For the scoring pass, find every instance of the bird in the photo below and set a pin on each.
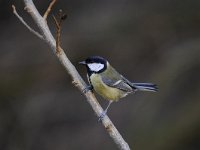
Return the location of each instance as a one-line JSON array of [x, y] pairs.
[[110, 84]]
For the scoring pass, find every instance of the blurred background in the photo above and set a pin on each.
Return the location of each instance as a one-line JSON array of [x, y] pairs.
[[147, 41]]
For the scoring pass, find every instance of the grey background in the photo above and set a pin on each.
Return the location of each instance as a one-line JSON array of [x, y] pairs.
[[147, 41]]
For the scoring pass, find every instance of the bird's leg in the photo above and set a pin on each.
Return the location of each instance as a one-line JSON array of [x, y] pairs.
[[105, 111], [88, 88]]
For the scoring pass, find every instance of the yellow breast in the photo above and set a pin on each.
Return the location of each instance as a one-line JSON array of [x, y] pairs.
[[105, 91]]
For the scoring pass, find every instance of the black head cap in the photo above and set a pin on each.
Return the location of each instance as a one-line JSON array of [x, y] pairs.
[[96, 59]]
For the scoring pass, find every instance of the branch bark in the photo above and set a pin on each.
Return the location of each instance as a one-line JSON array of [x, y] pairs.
[[69, 67]]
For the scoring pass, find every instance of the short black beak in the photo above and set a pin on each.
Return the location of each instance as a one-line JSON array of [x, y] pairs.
[[82, 63]]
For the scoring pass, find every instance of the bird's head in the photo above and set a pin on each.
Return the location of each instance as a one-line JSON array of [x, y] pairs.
[[95, 64]]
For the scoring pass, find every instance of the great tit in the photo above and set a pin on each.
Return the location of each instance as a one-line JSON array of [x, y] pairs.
[[108, 83]]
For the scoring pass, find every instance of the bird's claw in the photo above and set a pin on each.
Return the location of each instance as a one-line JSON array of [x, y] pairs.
[[102, 115], [87, 88]]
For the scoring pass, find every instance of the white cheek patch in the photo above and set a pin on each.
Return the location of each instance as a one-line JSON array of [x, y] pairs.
[[96, 66]]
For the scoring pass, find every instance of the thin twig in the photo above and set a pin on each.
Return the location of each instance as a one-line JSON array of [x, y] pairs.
[[49, 9], [76, 78], [22, 21], [58, 22], [58, 30]]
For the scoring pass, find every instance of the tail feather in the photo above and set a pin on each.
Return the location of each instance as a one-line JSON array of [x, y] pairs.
[[145, 87]]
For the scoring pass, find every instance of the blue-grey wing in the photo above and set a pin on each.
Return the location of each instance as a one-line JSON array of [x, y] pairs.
[[117, 83]]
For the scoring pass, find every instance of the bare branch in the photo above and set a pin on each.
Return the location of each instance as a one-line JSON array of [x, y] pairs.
[[76, 78], [58, 30], [22, 20], [49, 9], [57, 35], [58, 22]]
